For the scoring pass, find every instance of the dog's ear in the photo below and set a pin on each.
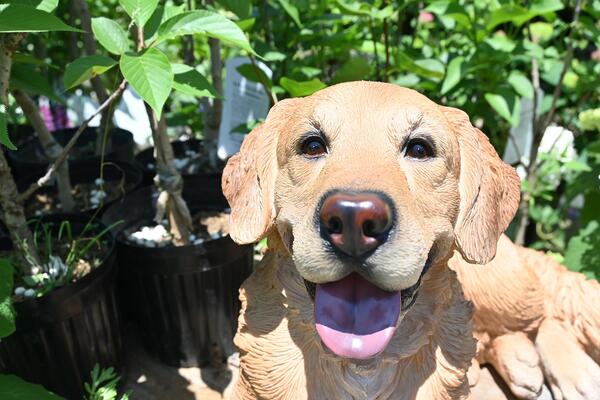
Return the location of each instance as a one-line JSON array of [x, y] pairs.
[[249, 178], [489, 191]]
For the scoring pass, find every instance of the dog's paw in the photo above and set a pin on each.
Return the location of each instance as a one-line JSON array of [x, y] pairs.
[[570, 371], [515, 358]]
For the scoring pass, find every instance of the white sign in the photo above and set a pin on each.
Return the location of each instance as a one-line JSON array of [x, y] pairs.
[[245, 101]]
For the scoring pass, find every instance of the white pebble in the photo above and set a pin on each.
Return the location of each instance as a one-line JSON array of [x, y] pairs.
[[29, 293], [199, 241], [35, 270], [99, 181], [192, 238], [38, 213], [215, 235], [19, 290]]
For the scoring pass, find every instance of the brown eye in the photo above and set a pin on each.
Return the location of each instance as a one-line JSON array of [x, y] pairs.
[[313, 147], [418, 149]]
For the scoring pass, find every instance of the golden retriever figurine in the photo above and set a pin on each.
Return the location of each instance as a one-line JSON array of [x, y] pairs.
[[375, 202]]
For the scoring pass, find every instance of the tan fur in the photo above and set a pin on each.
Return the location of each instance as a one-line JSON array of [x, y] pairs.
[[451, 208]]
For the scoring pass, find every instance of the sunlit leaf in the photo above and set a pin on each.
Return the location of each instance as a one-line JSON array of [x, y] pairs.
[[21, 18], [301, 89], [85, 68], [110, 35], [139, 10], [150, 75], [207, 23]]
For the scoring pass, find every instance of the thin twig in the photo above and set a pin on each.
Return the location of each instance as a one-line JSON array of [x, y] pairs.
[[265, 85], [44, 180]]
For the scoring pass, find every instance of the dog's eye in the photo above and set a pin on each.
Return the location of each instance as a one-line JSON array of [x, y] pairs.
[[418, 149], [313, 147]]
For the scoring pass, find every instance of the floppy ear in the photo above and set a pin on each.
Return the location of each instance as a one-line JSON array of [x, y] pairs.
[[249, 178], [489, 191]]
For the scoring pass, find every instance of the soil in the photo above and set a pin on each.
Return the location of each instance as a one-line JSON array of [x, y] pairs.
[[47, 202], [208, 225]]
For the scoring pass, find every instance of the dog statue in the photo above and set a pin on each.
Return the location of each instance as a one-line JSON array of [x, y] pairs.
[[376, 203]]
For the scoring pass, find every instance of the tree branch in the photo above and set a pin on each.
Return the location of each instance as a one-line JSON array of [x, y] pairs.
[[67, 149]]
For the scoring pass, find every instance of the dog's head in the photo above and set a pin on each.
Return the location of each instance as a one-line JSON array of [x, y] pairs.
[[367, 184]]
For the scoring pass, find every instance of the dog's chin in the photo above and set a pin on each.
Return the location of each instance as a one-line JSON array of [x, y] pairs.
[[356, 319]]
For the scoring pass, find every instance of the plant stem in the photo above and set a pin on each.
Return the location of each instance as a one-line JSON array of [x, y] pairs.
[[168, 179], [374, 39], [89, 44], [53, 168], [539, 126], [12, 210], [213, 118], [13, 216], [51, 147], [265, 85], [170, 182]]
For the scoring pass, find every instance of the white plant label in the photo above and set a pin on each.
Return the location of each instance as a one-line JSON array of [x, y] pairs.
[[245, 101]]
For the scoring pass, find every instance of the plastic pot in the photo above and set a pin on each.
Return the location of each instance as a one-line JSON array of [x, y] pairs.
[[87, 172], [29, 158], [146, 159], [184, 300], [61, 336]]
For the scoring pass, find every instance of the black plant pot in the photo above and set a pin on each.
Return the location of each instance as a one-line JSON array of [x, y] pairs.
[[127, 174], [61, 336], [29, 158], [184, 300], [146, 159]]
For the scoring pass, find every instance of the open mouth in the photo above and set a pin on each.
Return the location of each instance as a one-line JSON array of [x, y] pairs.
[[355, 318]]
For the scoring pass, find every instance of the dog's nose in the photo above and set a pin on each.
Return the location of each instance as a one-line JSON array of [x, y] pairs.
[[355, 223]]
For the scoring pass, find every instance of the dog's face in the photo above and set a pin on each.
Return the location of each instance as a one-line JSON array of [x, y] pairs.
[[367, 184]]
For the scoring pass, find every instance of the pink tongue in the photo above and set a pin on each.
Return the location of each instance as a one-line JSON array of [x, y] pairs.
[[355, 318]]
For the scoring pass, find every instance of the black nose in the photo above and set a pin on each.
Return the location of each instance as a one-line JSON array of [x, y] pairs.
[[355, 223]]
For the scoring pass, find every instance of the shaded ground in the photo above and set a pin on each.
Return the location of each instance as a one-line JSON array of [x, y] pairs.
[[149, 379]]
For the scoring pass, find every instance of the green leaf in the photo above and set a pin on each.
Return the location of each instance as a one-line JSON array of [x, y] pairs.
[[355, 69], [499, 104], [241, 8], [541, 30], [254, 74], [85, 68], [110, 35], [521, 84], [15, 388], [7, 313], [507, 13], [20, 18], [292, 11], [501, 42], [207, 23], [151, 76], [427, 68], [44, 5], [4, 137], [160, 15], [139, 10], [28, 79], [189, 81], [301, 89], [453, 74], [354, 8], [582, 251]]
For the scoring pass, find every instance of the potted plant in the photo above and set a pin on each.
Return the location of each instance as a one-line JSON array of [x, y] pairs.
[[94, 186], [66, 312], [64, 268], [180, 270]]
